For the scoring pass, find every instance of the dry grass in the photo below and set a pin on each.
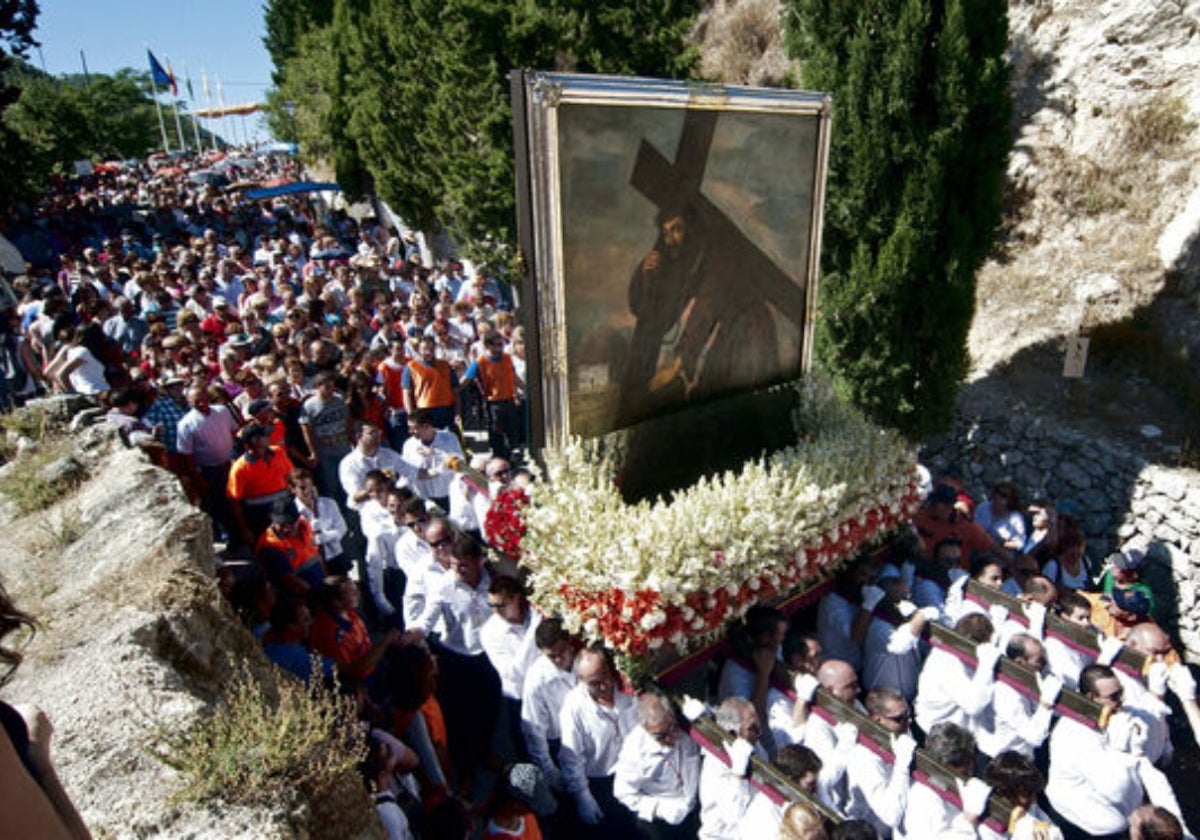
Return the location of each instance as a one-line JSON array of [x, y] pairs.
[[1158, 125], [272, 745], [26, 484], [741, 42]]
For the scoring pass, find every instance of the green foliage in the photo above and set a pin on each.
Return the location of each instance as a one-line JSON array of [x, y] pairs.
[[921, 136], [61, 120], [17, 21], [267, 745], [414, 93], [287, 22]]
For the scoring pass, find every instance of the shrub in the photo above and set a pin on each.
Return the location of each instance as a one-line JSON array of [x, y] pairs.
[[46, 475], [1158, 124], [267, 745]]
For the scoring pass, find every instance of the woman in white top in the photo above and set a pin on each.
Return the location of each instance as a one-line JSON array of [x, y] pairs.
[[1001, 516], [76, 370]]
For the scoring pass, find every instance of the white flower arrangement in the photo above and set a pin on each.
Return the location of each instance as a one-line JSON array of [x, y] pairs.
[[643, 575]]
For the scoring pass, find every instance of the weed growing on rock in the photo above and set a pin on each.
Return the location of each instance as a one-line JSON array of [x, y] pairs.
[[269, 746], [43, 477], [1159, 124]]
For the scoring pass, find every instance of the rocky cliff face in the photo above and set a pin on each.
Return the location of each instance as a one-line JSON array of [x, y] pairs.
[[134, 636], [1104, 189]]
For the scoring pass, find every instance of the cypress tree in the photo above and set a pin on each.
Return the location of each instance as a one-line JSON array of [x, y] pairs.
[[921, 136]]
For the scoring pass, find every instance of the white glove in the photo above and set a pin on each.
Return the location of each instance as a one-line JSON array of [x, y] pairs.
[[871, 596], [903, 750], [987, 655], [1181, 681], [1049, 687], [739, 753], [1156, 678], [906, 609], [692, 708], [1126, 734], [1036, 613], [998, 613], [974, 794], [589, 811], [846, 735], [645, 809], [806, 686], [1109, 648], [930, 613]]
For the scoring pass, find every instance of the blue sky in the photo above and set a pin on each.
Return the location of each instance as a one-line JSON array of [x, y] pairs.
[[222, 36]]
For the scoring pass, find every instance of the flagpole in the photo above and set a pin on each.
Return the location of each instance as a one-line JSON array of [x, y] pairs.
[[162, 126], [224, 116], [208, 102], [175, 106], [191, 108]]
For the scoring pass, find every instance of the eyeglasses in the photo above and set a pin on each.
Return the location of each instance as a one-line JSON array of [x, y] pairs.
[[501, 473], [497, 605], [1116, 696], [442, 543], [903, 717]]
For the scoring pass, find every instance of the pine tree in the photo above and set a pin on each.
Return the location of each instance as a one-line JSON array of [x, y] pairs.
[[921, 136], [418, 91]]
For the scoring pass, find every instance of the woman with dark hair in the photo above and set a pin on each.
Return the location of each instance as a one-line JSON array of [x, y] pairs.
[[364, 401], [32, 799], [1001, 516]]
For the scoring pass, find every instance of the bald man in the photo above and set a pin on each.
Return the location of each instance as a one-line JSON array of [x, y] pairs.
[[1146, 700], [793, 723]]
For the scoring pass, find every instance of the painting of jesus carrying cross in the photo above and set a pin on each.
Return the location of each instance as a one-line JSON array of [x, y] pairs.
[[688, 225]]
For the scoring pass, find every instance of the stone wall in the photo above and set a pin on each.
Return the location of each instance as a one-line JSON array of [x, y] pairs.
[[1121, 499]]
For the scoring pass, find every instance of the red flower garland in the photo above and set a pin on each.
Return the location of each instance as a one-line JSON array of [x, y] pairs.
[[504, 525]]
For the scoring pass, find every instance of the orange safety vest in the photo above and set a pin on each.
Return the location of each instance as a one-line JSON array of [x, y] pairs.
[[393, 388], [498, 378], [251, 481], [431, 383], [298, 549]]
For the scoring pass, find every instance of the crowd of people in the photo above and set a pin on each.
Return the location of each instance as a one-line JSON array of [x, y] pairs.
[[309, 380]]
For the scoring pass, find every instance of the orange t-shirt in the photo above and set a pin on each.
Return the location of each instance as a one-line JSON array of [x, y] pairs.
[[298, 548], [251, 479], [392, 377], [345, 641], [970, 534], [432, 384], [498, 378]]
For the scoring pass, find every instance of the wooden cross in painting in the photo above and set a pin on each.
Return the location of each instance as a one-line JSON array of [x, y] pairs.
[[670, 185]]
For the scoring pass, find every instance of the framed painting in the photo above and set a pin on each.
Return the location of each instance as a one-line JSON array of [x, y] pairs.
[[671, 233]]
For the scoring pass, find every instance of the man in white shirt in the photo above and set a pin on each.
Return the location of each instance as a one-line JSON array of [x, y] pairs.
[[468, 685], [369, 454], [1067, 661], [878, 789], [794, 723], [843, 615], [594, 720], [949, 690], [547, 682], [426, 451], [763, 817], [725, 790], [927, 814], [508, 640], [386, 581], [1022, 723], [1093, 786], [891, 651], [658, 772]]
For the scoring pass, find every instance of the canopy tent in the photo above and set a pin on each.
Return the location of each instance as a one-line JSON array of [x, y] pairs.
[[11, 259], [276, 148], [291, 189], [229, 110]]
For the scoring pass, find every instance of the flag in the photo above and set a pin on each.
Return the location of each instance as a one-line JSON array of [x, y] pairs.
[[171, 74], [191, 94], [161, 76]]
